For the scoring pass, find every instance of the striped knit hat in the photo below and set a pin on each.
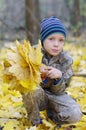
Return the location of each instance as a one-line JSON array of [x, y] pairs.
[[51, 25]]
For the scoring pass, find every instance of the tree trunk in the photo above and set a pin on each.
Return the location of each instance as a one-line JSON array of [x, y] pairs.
[[74, 11], [32, 20], [76, 18]]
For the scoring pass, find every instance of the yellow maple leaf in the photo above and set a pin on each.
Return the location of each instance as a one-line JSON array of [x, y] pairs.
[[32, 85], [11, 125]]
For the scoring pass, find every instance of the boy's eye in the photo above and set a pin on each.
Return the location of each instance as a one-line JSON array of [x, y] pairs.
[[51, 38], [61, 40]]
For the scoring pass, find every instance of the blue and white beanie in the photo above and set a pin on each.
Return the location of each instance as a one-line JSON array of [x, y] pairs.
[[51, 25]]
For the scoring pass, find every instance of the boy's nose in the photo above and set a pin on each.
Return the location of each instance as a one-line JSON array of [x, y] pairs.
[[56, 43]]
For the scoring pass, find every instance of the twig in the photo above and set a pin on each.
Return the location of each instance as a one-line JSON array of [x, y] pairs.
[[79, 75], [84, 113]]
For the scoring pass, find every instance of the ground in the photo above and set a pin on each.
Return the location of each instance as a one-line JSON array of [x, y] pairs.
[[13, 115]]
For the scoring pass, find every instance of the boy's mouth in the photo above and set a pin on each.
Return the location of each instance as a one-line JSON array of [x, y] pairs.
[[55, 50]]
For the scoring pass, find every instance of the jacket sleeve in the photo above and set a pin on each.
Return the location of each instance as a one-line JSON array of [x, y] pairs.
[[60, 85]]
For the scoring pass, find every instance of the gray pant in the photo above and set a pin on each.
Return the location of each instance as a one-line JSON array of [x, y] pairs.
[[60, 108]]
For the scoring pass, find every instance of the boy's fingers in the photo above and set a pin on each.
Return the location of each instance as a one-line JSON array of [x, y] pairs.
[[49, 67]]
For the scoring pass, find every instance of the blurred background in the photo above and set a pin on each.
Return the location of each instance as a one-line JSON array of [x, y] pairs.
[[20, 19]]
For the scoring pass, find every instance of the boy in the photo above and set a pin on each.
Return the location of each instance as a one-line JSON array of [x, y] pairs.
[[56, 74]]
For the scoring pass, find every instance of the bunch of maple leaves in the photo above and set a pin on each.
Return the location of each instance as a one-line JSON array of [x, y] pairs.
[[21, 67], [19, 73]]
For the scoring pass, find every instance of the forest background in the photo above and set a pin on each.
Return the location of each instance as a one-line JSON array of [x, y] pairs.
[[20, 19]]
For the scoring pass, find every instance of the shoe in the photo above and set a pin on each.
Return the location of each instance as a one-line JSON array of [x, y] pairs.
[[37, 123]]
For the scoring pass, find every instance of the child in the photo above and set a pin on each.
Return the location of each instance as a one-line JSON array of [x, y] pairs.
[[56, 74]]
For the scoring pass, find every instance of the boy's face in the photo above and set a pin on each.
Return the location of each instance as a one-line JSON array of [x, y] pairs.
[[53, 44]]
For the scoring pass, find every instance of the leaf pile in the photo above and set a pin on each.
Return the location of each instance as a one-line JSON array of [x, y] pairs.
[[78, 54], [13, 115]]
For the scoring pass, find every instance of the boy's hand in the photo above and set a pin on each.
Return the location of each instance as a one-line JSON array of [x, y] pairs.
[[50, 72], [53, 73]]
